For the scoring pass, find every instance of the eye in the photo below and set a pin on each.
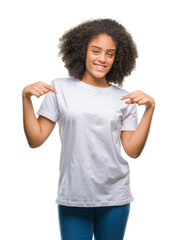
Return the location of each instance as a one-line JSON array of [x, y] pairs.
[[95, 52], [110, 54]]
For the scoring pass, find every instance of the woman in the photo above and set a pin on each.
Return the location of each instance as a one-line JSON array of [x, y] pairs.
[[94, 118]]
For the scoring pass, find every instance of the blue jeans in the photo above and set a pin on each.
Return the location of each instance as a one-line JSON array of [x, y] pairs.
[[80, 223]]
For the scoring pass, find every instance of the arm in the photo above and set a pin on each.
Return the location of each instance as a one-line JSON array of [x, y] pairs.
[[36, 130], [134, 141]]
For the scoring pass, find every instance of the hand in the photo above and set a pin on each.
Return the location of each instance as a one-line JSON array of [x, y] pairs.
[[37, 89], [140, 98]]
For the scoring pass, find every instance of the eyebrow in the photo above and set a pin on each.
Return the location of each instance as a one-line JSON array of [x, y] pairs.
[[107, 50]]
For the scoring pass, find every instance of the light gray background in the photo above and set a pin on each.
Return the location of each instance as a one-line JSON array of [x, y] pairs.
[[28, 53]]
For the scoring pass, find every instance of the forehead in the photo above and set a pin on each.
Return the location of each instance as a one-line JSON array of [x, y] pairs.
[[104, 41]]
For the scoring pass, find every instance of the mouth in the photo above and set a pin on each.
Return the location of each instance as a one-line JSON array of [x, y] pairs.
[[100, 67]]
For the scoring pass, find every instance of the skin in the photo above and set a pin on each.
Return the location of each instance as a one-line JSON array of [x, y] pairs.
[[100, 52], [134, 141], [36, 130]]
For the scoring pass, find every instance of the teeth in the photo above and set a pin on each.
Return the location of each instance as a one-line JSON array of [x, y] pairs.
[[101, 67]]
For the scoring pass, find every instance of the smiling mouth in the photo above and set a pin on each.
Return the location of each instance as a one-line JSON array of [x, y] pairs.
[[100, 67]]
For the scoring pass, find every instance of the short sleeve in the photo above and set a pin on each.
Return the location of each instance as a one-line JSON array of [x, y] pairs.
[[49, 107], [129, 121]]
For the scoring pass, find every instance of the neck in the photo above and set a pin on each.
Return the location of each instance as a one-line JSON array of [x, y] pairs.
[[98, 82]]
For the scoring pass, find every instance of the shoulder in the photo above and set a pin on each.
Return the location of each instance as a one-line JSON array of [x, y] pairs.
[[62, 81], [118, 94], [120, 91]]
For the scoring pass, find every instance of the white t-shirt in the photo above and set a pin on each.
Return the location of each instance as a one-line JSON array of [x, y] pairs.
[[92, 171]]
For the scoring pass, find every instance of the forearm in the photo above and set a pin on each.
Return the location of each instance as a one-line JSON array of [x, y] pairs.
[[30, 122], [139, 137]]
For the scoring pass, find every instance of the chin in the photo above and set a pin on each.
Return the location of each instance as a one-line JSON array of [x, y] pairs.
[[99, 76]]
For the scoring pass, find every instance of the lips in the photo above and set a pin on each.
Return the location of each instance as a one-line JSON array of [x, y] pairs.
[[100, 67]]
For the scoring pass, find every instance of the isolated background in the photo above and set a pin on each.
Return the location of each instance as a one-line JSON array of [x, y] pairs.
[[28, 53]]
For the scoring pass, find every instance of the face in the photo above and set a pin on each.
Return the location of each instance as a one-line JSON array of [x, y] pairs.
[[100, 56]]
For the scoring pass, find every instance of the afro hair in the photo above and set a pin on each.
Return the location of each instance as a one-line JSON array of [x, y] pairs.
[[73, 48]]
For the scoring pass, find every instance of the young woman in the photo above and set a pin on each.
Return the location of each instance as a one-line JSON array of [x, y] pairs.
[[94, 118]]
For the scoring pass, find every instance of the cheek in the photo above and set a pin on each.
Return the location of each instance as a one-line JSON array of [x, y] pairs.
[[111, 62], [89, 60]]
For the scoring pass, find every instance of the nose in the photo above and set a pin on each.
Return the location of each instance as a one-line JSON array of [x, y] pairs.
[[102, 58]]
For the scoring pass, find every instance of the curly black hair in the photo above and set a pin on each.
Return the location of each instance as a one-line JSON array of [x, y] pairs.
[[73, 48]]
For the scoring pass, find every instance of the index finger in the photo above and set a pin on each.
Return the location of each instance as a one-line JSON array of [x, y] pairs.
[[125, 96], [50, 88], [53, 90]]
